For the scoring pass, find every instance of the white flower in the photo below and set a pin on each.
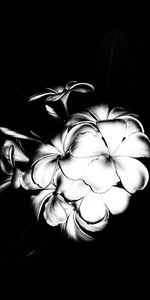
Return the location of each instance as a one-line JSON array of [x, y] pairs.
[[87, 171], [99, 152], [61, 94], [11, 157]]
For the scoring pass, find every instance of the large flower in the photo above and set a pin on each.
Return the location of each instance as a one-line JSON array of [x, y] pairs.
[[102, 146]]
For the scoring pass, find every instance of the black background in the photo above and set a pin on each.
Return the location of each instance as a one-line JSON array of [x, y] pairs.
[[46, 45]]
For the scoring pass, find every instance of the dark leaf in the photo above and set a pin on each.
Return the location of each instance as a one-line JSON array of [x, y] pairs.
[[109, 64]]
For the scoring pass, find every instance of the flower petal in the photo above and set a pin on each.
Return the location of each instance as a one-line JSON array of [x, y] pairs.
[[79, 190], [93, 227], [133, 174], [100, 174], [55, 212], [5, 185], [99, 112], [6, 166], [74, 131], [82, 87], [39, 199], [41, 95], [18, 153], [55, 97], [15, 134], [136, 145], [92, 208], [113, 133], [116, 199], [16, 178], [73, 167], [44, 170], [73, 230], [88, 144], [80, 117], [120, 111], [72, 190], [51, 111], [133, 124], [45, 150], [26, 181], [58, 140]]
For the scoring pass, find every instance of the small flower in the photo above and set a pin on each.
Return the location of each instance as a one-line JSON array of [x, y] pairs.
[[61, 94], [12, 157]]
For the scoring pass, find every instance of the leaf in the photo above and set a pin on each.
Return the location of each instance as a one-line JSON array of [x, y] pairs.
[[15, 134], [41, 95], [82, 87], [52, 112]]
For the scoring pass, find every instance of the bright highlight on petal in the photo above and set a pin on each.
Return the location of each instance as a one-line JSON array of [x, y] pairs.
[[73, 167], [100, 174], [133, 174], [99, 112], [86, 144], [116, 199], [93, 227], [92, 208]]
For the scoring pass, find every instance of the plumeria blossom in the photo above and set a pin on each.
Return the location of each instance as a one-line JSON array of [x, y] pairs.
[[83, 173], [99, 152], [103, 151], [61, 94]]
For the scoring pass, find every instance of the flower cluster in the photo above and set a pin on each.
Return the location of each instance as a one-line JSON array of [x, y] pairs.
[[88, 170]]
